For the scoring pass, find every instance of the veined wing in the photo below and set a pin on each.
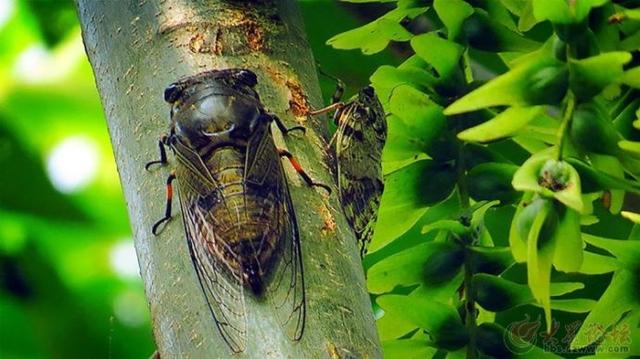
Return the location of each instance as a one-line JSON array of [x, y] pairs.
[[285, 290], [360, 139], [221, 283]]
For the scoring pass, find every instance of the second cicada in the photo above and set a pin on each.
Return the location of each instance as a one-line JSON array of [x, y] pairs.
[[239, 219], [359, 140]]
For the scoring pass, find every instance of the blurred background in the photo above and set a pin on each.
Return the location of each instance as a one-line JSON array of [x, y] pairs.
[[69, 281]]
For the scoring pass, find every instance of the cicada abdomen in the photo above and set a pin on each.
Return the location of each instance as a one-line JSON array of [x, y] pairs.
[[359, 140], [240, 223]]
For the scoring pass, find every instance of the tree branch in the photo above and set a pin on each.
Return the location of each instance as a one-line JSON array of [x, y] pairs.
[[136, 49]]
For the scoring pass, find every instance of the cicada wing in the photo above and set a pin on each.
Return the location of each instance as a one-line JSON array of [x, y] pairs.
[[220, 283], [285, 290], [359, 144]]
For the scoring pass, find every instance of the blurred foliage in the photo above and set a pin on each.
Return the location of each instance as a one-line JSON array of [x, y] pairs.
[[508, 225], [69, 283]]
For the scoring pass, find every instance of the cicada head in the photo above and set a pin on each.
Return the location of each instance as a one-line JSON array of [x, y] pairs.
[[214, 101]]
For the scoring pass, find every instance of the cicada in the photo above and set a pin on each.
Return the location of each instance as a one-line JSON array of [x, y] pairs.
[[359, 140], [240, 223]]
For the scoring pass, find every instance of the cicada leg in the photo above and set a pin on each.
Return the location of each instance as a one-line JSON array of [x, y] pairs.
[[296, 166], [283, 128], [167, 213], [163, 153]]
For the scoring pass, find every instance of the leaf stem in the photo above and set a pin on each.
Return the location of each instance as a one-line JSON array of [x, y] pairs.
[[463, 192], [469, 301], [470, 310], [566, 119]]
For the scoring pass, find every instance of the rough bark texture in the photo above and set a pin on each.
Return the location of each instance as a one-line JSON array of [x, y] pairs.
[[136, 48]]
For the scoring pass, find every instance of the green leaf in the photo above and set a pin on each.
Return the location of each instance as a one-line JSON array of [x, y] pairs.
[[630, 146], [408, 348], [633, 217], [611, 166], [448, 225], [573, 305], [556, 11], [568, 241], [632, 77], [487, 32], [404, 268], [375, 36], [387, 78], [601, 179], [423, 127], [598, 264], [618, 299], [440, 320], [537, 80], [393, 31], [627, 252], [539, 259], [392, 326], [442, 54], [563, 11], [527, 19], [408, 192], [588, 77], [452, 13], [492, 180], [503, 125]]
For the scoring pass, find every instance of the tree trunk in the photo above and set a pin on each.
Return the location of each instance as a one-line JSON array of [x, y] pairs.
[[136, 49]]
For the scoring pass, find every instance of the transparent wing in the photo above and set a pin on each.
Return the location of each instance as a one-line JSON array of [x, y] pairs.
[[285, 290], [220, 283]]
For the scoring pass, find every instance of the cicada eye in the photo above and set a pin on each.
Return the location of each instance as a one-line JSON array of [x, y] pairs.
[[172, 93], [248, 77]]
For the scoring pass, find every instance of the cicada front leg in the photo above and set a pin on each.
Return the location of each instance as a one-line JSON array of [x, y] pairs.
[[167, 212], [296, 166], [163, 153]]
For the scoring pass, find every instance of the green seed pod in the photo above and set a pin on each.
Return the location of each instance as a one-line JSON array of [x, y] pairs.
[[490, 181], [491, 260], [496, 294], [439, 181], [490, 338], [592, 131], [548, 85], [443, 265], [451, 335]]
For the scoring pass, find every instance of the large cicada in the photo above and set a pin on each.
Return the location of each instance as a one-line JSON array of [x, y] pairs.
[[240, 223], [359, 140]]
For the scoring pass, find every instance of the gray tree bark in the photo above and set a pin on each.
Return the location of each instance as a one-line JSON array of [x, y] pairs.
[[136, 49]]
